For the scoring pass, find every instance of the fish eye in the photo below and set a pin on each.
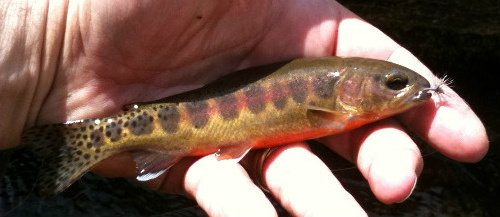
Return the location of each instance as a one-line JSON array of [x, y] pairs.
[[396, 81]]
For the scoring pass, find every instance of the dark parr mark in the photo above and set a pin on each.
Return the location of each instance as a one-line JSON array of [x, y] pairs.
[[279, 97], [298, 89], [256, 101], [113, 131], [228, 106], [324, 86], [169, 119], [141, 124], [96, 138], [198, 113]]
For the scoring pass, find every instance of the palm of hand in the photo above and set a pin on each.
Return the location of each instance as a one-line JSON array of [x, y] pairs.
[[116, 54]]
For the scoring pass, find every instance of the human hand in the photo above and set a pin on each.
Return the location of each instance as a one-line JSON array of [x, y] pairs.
[[115, 53]]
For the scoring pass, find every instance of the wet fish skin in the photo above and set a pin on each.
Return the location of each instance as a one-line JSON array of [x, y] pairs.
[[256, 108]]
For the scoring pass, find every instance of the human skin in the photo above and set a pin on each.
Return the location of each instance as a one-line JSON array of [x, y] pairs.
[[70, 60]]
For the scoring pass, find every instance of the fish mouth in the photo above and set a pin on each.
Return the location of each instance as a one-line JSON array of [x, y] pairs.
[[423, 95]]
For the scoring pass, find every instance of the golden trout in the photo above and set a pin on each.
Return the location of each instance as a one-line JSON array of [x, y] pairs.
[[255, 108]]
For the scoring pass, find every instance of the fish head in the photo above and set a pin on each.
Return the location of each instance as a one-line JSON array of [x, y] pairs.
[[376, 88]]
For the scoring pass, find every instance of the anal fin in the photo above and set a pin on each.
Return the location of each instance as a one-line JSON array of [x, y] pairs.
[[152, 164]]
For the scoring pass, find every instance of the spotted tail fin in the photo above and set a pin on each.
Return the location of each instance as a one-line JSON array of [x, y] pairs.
[[64, 153]]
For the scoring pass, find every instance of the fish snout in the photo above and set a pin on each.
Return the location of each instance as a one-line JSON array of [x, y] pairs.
[[423, 95]]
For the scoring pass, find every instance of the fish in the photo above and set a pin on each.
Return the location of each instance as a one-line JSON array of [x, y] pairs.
[[255, 108]]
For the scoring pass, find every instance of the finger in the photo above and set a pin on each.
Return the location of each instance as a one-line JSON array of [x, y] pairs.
[[305, 186], [385, 155], [223, 188], [122, 165], [448, 123], [356, 37]]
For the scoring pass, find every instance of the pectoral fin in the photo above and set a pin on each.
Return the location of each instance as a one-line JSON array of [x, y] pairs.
[[321, 109], [328, 118], [151, 164]]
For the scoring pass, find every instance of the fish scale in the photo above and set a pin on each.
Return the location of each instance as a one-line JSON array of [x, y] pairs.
[[255, 108]]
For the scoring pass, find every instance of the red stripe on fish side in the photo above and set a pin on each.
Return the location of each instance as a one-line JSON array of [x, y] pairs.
[[279, 95], [241, 102], [213, 108]]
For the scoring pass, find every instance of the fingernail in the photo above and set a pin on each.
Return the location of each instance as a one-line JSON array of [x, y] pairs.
[[411, 192]]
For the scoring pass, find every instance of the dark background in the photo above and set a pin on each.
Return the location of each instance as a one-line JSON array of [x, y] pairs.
[[458, 38]]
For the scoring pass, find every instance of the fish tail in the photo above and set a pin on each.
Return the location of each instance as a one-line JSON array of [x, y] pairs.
[[64, 154]]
